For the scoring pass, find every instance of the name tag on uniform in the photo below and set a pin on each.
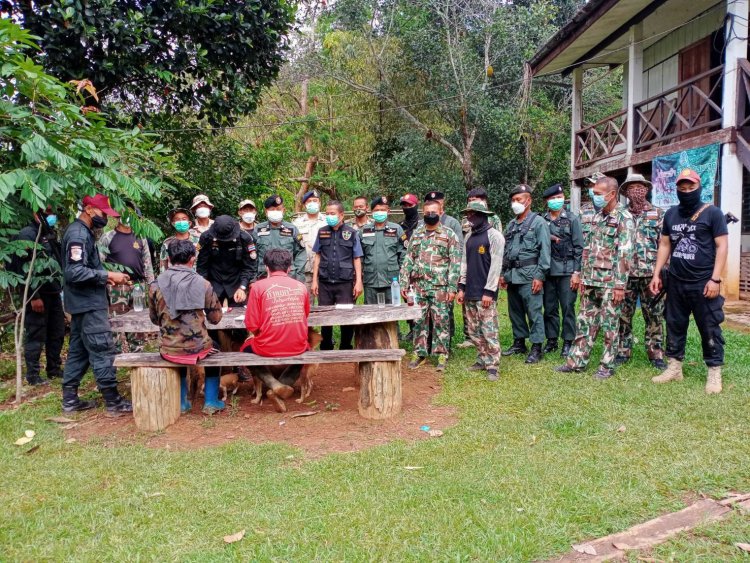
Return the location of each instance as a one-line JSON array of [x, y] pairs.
[[612, 221], [285, 232], [324, 234], [370, 234], [263, 233], [652, 214], [390, 232]]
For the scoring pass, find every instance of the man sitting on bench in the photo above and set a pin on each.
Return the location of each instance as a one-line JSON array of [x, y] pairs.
[[180, 300], [276, 319]]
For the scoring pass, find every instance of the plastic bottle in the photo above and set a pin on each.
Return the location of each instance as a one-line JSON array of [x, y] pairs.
[[410, 296], [137, 298], [395, 293]]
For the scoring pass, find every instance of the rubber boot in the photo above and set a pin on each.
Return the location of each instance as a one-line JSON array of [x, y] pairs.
[[518, 347], [184, 402], [713, 383], [672, 373], [115, 403], [535, 355], [211, 389], [72, 403]]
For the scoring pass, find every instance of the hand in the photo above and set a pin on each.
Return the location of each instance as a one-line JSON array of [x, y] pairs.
[[450, 297], [486, 301], [503, 283], [460, 298], [37, 305], [314, 288], [117, 278], [619, 295], [655, 285], [240, 295], [575, 282], [358, 289], [711, 291], [536, 286], [404, 294]]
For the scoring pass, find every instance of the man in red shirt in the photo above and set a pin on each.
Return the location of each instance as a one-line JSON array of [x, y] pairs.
[[276, 318]]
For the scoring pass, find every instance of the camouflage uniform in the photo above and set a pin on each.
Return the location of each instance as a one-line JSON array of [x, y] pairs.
[[432, 266], [164, 250], [645, 244], [586, 217], [604, 268]]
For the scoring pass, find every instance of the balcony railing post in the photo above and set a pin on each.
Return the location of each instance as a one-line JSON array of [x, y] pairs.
[[635, 82], [575, 125]]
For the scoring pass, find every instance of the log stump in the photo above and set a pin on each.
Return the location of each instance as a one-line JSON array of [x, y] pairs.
[[379, 382], [156, 397]]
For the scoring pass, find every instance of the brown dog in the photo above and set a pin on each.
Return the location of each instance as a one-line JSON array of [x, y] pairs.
[[229, 383]]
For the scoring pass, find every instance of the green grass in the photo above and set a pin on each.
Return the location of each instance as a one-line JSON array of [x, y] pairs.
[[534, 464]]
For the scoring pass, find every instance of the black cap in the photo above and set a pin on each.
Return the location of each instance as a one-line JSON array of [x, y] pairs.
[[557, 189], [477, 192], [225, 228], [432, 196], [308, 195], [273, 201], [380, 200], [520, 189]]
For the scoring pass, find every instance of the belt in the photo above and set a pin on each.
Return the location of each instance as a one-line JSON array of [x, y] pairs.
[[522, 263]]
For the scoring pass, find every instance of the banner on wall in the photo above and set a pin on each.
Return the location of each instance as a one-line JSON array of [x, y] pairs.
[[664, 171]]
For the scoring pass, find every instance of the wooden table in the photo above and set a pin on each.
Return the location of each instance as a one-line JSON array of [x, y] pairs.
[[374, 328]]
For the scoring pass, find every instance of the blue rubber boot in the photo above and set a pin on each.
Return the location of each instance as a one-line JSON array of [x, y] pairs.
[[211, 390], [184, 403]]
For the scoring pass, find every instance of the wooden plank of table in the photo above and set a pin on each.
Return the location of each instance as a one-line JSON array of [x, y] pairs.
[[319, 316]]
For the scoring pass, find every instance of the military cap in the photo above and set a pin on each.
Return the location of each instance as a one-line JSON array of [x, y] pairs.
[[520, 189], [477, 192], [432, 196], [273, 201], [688, 175], [311, 193], [557, 189], [595, 177], [476, 207], [380, 200], [246, 202], [634, 179], [225, 228], [177, 210]]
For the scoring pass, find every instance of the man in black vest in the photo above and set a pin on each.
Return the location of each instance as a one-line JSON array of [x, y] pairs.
[[337, 269]]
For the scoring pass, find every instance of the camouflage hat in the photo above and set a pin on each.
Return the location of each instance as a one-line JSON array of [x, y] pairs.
[[201, 198], [177, 210], [595, 177], [476, 207], [246, 202], [634, 179]]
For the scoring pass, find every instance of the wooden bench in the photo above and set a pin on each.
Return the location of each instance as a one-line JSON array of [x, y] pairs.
[[155, 382]]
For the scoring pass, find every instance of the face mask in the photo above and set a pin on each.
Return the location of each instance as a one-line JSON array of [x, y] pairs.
[[431, 218], [248, 217], [380, 216], [181, 226], [98, 222], [556, 204], [332, 220], [51, 220], [410, 212], [591, 194], [689, 201], [275, 216], [203, 212], [599, 201], [517, 207], [637, 197], [312, 208], [360, 212], [477, 220]]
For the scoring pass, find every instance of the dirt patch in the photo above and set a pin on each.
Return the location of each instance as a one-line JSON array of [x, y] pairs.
[[337, 426]]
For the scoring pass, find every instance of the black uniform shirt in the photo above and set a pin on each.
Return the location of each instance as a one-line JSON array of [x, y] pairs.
[[228, 265], [85, 279]]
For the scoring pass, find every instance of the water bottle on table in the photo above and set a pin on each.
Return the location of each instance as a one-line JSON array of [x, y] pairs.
[[395, 293], [138, 298]]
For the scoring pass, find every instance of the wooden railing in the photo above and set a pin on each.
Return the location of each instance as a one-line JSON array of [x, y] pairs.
[[602, 139], [687, 110]]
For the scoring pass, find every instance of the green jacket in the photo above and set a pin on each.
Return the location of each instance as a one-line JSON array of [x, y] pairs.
[[285, 235], [527, 256], [383, 250], [566, 243]]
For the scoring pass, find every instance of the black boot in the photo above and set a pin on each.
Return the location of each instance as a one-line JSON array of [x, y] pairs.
[[518, 347], [551, 345], [72, 403], [535, 355], [567, 345], [115, 403], [36, 380]]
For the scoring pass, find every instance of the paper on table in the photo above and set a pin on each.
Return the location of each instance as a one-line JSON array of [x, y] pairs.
[[240, 318], [345, 306]]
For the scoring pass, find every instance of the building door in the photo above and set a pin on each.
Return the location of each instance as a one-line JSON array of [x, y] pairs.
[[693, 61]]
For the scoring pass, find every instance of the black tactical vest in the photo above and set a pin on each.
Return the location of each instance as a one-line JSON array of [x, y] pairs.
[[336, 254]]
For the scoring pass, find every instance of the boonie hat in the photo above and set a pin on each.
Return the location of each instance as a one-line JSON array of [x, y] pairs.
[[634, 179], [476, 207], [245, 202], [201, 198]]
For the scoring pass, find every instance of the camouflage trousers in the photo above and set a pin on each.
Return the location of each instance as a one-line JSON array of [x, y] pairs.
[[652, 316], [435, 310], [120, 303], [483, 331], [598, 310]]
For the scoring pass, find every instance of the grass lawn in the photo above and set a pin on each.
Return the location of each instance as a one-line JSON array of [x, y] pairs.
[[535, 463]]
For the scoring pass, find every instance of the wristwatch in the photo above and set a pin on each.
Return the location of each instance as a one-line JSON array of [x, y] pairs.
[[716, 281], [243, 287]]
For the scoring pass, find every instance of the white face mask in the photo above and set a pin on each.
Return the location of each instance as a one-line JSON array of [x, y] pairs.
[[203, 212], [248, 217], [275, 216], [517, 207], [312, 208]]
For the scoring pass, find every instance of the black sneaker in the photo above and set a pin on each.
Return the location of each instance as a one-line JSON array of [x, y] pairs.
[[604, 373], [36, 380]]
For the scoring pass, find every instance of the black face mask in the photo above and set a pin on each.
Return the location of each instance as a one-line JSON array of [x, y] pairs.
[[410, 212], [689, 201], [431, 219], [98, 222], [477, 220]]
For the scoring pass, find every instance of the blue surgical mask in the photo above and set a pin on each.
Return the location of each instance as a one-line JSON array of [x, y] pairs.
[[556, 204], [312, 208], [599, 201], [51, 220], [591, 194], [380, 216], [332, 220]]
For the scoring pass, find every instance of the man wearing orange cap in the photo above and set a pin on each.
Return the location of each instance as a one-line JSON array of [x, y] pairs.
[[694, 240], [85, 290]]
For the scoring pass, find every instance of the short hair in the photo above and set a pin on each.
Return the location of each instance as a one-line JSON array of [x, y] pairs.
[[360, 197], [478, 192], [278, 259], [609, 182], [337, 204], [180, 252], [430, 203]]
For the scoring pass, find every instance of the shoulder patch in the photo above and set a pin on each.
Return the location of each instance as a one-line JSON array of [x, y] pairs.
[[75, 251], [346, 235]]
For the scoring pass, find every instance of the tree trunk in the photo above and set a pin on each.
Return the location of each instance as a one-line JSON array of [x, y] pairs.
[[156, 397], [312, 160]]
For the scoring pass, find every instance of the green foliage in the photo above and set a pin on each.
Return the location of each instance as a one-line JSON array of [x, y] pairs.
[[209, 57]]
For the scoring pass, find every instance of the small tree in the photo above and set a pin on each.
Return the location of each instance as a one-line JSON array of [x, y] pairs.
[[55, 152]]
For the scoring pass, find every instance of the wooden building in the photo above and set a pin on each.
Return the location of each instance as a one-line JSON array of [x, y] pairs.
[[686, 85]]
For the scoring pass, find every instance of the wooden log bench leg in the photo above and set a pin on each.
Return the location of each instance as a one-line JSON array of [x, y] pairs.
[[156, 397], [379, 382]]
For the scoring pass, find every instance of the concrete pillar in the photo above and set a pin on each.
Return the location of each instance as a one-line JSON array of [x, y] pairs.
[[635, 83], [576, 121], [730, 196]]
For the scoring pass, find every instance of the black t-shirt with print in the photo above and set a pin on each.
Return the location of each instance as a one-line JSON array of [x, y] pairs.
[[693, 245]]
